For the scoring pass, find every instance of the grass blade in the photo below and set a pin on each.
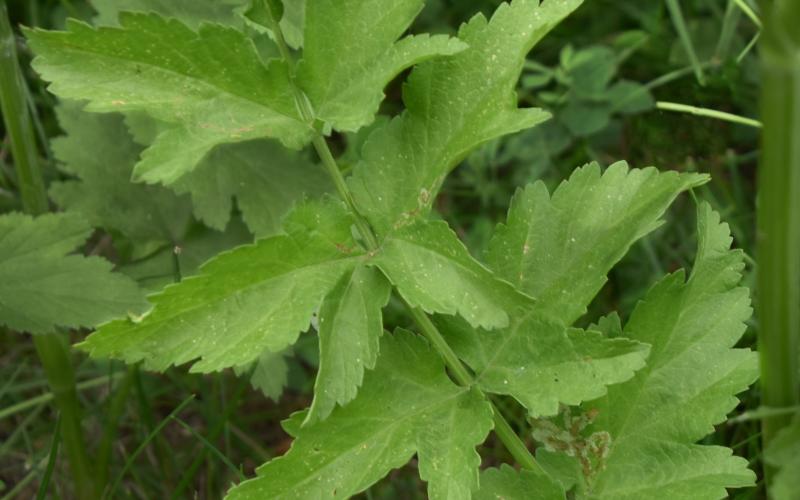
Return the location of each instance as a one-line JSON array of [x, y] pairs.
[[679, 23], [44, 485]]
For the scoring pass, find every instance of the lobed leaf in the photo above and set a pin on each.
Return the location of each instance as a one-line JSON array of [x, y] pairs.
[[559, 248], [407, 405], [350, 326], [41, 287], [244, 301], [453, 105], [687, 386], [210, 85]]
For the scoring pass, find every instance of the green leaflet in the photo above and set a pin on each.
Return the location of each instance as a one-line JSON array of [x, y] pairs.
[[505, 483], [783, 453], [252, 298], [41, 287], [559, 249], [350, 326], [191, 12], [265, 179], [452, 105], [542, 363], [433, 270], [210, 85], [687, 386], [407, 405], [100, 152], [269, 373], [347, 60]]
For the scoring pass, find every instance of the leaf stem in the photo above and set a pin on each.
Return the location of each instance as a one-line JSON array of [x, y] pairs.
[[52, 350], [779, 214], [504, 432], [318, 140], [502, 428]]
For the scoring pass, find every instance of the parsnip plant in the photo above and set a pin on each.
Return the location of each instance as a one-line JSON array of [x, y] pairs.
[[617, 410]]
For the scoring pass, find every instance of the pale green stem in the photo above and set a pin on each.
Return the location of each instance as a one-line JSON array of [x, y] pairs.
[[748, 11], [778, 216], [708, 113]]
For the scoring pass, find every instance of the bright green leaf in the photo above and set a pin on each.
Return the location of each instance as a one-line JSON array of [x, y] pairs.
[[351, 52], [688, 385], [559, 248], [42, 287], [100, 152], [252, 298], [433, 270], [350, 326], [407, 405], [211, 85], [453, 105], [506, 483]]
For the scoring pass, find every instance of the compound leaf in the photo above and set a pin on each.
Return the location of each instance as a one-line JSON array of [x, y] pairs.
[[351, 52], [542, 363], [42, 287], [99, 151], [433, 270], [453, 104], [252, 298], [505, 483], [559, 248], [688, 385], [350, 326], [407, 405], [210, 85]]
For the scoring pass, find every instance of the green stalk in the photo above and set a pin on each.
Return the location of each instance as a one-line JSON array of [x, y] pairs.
[[53, 352], [54, 355], [709, 113], [504, 432], [779, 213]]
